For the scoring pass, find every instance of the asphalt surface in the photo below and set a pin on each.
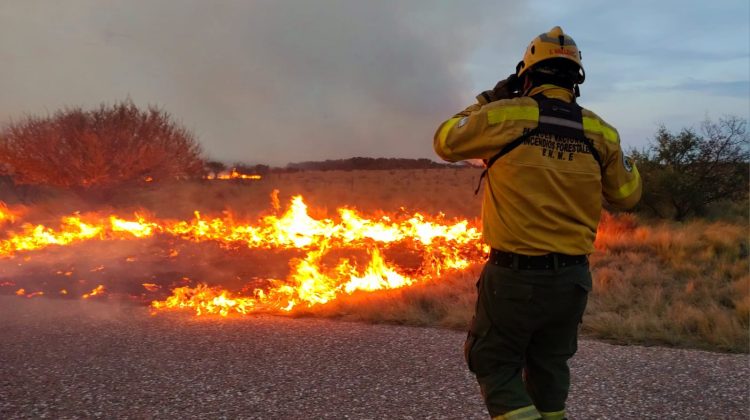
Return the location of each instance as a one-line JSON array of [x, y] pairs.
[[81, 359]]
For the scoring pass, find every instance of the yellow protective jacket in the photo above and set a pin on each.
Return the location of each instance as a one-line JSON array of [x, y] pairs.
[[546, 194]]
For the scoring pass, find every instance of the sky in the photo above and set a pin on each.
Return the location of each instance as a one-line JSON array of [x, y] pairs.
[[278, 81]]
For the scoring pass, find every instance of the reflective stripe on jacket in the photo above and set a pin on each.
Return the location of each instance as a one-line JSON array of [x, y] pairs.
[[545, 195]]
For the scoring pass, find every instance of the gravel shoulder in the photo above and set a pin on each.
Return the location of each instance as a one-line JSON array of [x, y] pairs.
[[80, 359]]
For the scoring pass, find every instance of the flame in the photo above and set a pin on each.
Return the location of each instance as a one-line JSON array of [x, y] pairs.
[[233, 174], [315, 277], [139, 228], [377, 276], [151, 287], [275, 203], [98, 290], [22, 292], [40, 236], [206, 300], [6, 215]]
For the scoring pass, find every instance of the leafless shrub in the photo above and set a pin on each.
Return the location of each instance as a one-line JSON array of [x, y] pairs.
[[98, 149]]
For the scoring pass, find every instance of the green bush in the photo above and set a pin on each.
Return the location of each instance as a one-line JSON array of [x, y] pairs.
[[683, 173]]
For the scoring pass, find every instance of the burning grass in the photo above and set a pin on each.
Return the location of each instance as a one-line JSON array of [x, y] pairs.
[[655, 283], [327, 269]]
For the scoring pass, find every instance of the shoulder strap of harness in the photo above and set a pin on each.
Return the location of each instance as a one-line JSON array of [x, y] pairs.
[[555, 117], [564, 119], [504, 151]]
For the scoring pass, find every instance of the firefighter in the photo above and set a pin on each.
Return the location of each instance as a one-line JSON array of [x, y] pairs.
[[549, 163]]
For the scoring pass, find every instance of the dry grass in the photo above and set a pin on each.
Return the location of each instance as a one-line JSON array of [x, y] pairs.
[[677, 284], [667, 284], [446, 302], [684, 285], [450, 191]]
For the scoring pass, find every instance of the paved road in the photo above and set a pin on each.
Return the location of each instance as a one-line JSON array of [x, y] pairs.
[[70, 359]]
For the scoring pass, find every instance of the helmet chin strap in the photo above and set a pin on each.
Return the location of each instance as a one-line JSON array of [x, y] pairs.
[[525, 90], [527, 87]]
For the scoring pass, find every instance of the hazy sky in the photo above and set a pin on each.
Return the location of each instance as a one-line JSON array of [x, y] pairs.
[[283, 81]]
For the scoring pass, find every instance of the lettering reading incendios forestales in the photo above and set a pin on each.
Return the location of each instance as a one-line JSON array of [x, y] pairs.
[[557, 147]]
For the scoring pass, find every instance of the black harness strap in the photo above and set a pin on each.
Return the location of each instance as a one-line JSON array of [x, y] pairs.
[[564, 119], [556, 117], [504, 151]]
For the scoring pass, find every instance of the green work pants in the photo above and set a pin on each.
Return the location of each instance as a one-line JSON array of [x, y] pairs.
[[524, 331]]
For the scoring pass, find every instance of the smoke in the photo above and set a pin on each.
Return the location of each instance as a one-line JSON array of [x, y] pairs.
[[261, 81]]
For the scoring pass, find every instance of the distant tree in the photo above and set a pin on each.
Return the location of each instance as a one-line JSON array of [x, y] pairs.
[[686, 171], [98, 149], [261, 169], [247, 169], [215, 167]]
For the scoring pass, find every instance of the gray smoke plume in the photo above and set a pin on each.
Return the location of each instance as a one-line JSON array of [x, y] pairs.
[[259, 81]]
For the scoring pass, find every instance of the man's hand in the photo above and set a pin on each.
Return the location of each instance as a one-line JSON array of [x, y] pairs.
[[504, 89]]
